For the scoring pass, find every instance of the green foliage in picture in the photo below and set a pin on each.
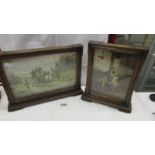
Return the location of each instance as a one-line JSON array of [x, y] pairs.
[[38, 74]]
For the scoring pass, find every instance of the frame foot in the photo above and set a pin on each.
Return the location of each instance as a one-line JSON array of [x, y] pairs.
[[126, 109], [14, 108], [122, 107], [85, 98]]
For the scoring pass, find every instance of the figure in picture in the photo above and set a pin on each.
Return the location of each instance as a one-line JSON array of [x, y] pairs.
[[27, 83], [115, 80], [45, 73], [111, 73]]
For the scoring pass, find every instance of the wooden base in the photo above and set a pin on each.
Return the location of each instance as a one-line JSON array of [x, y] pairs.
[[122, 108], [127, 109], [14, 107]]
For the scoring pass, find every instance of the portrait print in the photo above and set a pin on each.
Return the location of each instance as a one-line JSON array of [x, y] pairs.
[[112, 73]]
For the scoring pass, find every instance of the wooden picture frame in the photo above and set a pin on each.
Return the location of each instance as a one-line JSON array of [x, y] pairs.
[[112, 73], [32, 87]]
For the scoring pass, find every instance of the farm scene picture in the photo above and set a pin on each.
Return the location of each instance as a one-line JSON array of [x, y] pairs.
[[38, 74], [112, 73]]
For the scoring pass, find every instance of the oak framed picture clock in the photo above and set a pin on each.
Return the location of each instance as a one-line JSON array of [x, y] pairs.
[[34, 76], [112, 73]]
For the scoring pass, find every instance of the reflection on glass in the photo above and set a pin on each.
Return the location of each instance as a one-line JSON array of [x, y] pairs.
[[112, 73], [150, 83], [38, 74]]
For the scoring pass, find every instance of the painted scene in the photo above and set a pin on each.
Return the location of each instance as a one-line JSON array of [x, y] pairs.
[[112, 73], [38, 74]]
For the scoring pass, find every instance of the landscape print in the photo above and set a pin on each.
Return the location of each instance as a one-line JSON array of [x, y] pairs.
[[112, 73], [33, 75]]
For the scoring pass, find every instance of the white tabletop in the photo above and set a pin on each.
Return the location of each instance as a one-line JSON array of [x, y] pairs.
[[77, 109]]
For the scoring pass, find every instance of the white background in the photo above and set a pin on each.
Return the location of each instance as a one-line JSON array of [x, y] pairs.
[[77, 16], [26, 41], [79, 110]]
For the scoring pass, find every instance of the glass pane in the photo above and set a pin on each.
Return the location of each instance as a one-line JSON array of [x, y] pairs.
[[150, 83], [112, 73], [134, 39], [33, 75]]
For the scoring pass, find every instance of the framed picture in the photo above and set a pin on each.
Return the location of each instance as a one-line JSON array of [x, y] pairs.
[[112, 73], [38, 75]]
